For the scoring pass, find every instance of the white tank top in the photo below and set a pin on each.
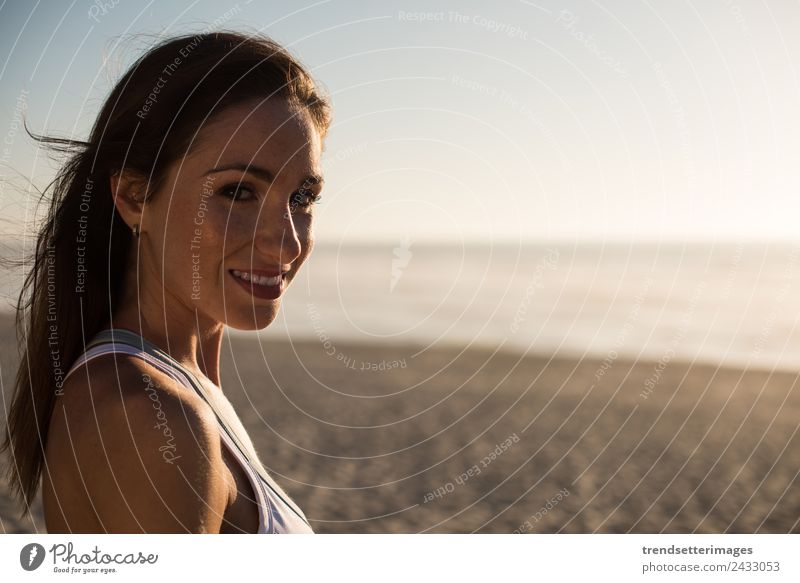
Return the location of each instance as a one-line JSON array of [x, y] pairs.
[[277, 513]]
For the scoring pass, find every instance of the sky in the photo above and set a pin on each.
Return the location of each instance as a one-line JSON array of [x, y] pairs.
[[472, 121]]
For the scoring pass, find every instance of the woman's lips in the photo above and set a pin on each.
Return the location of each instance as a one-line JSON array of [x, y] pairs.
[[261, 284]]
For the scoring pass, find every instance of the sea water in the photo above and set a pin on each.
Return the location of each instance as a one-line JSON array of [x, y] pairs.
[[731, 303]]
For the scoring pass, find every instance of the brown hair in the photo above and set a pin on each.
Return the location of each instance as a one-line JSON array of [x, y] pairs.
[[147, 122]]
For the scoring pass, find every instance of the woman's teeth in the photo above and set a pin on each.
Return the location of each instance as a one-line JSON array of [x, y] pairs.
[[256, 279]]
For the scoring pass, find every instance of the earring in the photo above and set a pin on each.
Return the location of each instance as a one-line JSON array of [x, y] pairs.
[[136, 230]]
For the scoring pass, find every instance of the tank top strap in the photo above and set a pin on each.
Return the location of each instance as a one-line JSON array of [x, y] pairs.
[[160, 359], [103, 343]]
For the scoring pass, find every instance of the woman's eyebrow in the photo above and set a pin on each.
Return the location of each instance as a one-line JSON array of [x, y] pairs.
[[263, 173], [259, 171], [314, 179]]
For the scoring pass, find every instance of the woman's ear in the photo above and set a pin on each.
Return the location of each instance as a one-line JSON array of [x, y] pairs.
[[129, 190]]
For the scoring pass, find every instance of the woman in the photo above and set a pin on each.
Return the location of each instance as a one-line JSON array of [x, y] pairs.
[[189, 208]]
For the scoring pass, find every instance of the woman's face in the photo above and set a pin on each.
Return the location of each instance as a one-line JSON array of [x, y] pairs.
[[232, 224]]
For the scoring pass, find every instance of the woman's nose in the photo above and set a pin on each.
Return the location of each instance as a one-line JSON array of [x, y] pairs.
[[276, 237]]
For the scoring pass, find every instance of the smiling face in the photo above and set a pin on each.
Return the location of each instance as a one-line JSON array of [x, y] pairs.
[[232, 224]]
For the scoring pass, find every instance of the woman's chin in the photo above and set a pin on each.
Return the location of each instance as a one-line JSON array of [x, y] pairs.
[[253, 318]]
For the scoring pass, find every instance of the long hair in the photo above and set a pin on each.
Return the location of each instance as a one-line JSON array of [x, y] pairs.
[[76, 270]]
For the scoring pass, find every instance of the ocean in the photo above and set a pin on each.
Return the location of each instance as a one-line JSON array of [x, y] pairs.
[[729, 304]]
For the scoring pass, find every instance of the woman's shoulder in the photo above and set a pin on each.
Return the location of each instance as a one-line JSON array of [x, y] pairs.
[[146, 446], [120, 383]]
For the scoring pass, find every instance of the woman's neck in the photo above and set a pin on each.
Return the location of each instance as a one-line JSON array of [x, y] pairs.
[[196, 347], [163, 320]]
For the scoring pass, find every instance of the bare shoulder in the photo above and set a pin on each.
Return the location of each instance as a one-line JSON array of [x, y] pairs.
[[145, 449]]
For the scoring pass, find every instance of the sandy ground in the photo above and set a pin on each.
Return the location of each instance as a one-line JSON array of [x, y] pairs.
[[466, 441]]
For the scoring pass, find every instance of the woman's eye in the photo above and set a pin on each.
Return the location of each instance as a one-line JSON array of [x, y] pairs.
[[304, 199], [237, 191]]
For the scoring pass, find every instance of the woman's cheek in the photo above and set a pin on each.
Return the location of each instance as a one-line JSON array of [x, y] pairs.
[[214, 229], [305, 233], [205, 248], [213, 225]]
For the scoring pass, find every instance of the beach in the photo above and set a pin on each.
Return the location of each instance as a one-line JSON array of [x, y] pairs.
[[396, 438]]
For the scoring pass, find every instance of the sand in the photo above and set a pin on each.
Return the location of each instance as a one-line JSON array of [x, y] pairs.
[[478, 440]]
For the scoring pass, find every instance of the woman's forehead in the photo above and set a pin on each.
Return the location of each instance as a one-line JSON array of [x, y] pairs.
[[272, 132], [262, 122]]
